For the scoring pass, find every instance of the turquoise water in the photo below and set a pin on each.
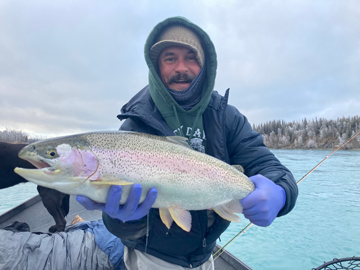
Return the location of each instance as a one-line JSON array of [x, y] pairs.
[[13, 196], [324, 224]]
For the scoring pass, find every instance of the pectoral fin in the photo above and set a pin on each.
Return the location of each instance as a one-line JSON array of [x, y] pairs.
[[181, 217], [166, 217], [226, 210], [112, 182]]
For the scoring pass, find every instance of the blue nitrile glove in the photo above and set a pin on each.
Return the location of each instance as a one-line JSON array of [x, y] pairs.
[[264, 203], [131, 210]]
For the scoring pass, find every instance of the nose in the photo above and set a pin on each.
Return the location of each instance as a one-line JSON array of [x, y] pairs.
[[181, 66]]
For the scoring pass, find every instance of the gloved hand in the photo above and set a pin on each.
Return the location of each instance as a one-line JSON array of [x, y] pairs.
[[264, 203], [131, 210]]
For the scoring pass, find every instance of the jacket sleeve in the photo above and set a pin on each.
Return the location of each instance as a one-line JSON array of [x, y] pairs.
[[9, 161], [130, 230], [246, 148]]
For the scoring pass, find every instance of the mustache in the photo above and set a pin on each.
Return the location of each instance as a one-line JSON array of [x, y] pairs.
[[181, 77]]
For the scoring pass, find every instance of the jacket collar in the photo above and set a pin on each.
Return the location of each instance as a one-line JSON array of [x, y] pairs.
[[142, 108]]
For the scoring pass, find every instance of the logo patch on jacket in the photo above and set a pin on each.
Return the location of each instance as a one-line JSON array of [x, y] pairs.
[[198, 138]]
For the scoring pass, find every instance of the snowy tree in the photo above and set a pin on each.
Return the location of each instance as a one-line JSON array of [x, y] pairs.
[[273, 140], [298, 142], [311, 144], [311, 133], [308, 133]]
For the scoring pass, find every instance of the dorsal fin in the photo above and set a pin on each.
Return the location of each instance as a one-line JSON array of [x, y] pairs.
[[179, 140], [239, 168]]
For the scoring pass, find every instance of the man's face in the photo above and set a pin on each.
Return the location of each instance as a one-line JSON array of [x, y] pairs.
[[178, 67]]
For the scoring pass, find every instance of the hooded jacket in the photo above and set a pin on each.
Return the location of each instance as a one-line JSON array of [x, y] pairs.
[[185, 121], [229, 137]]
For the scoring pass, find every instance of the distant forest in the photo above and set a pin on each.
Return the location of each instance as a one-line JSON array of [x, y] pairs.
[[311, 134], [15, 136], [305, 134]]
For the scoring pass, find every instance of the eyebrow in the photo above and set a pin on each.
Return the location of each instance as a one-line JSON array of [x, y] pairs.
[[168, 54]]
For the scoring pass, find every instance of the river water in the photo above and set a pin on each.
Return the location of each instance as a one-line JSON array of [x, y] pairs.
[[325, 223]]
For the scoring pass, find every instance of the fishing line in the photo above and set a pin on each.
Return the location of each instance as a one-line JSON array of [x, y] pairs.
[[222, 250]]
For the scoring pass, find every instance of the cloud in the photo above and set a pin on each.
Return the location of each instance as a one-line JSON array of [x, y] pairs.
[[68, 66]]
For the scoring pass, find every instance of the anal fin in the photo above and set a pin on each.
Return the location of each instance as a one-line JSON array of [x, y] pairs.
[[166, 217], [182, 218]]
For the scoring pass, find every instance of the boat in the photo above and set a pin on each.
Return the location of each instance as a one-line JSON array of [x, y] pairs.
[[36, 216]]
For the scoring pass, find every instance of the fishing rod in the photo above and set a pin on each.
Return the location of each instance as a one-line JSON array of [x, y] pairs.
[[222, 250]]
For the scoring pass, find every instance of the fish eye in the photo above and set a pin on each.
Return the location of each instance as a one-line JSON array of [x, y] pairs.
[[51, 153]]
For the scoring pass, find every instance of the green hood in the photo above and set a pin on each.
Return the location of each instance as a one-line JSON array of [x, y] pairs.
[[159, 93]]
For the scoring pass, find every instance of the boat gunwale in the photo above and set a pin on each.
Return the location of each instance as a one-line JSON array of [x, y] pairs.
[[19, 208]]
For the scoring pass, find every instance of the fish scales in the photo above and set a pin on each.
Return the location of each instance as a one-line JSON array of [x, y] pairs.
[[147, 162], [86, 164]]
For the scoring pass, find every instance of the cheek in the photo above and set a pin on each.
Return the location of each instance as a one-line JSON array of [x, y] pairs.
[[74, 161], [164, 72], [195, 69]]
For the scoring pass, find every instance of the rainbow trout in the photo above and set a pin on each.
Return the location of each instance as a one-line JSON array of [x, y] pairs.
[[88, 164]]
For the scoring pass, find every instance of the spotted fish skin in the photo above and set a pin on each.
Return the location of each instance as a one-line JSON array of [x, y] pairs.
[[87, 164]]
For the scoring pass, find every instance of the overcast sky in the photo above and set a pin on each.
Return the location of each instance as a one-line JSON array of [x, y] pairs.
[[69, 66]]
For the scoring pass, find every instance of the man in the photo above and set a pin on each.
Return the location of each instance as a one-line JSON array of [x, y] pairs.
[[180, 100]]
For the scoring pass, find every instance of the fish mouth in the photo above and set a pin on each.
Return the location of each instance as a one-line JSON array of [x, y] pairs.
[[43, 166], [39, 164]]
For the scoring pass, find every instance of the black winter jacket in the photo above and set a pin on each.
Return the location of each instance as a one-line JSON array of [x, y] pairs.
[[230, 138]]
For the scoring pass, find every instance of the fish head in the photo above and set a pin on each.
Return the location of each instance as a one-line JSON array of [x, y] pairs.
[[62, 164]]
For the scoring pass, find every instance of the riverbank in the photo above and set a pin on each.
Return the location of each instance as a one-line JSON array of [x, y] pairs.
[[309, 144]]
